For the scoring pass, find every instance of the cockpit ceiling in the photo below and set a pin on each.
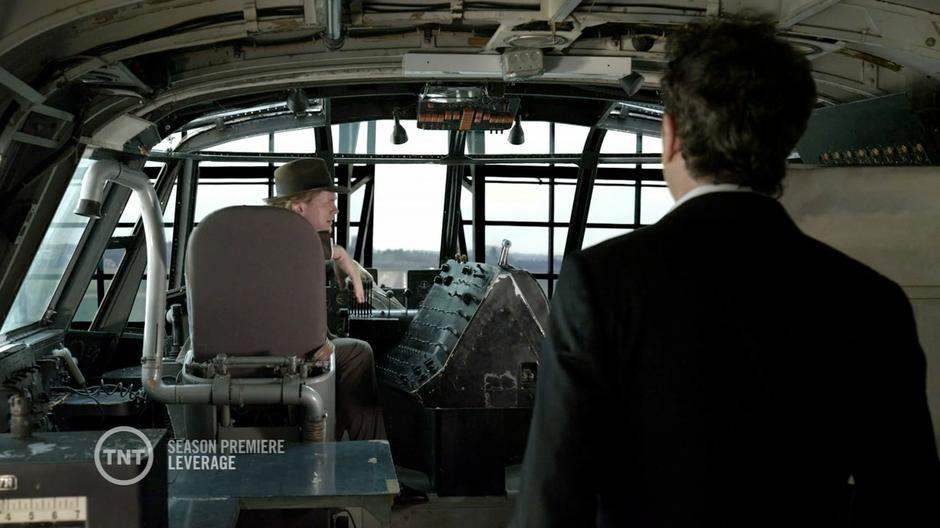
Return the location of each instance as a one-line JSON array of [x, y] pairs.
[[154, 58]]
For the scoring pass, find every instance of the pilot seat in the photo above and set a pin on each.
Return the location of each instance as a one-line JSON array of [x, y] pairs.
[[257, 313]]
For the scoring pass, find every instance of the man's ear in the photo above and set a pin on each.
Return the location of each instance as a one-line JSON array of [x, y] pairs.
[[672, 143], [297, 207]]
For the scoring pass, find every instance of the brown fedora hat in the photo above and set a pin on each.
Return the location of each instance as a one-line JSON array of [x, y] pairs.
[[300, 176]]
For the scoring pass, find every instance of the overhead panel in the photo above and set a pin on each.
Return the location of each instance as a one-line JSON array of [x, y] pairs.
[[118, 132], [464, 108], [473, 65], [634, 117], [881, 131]]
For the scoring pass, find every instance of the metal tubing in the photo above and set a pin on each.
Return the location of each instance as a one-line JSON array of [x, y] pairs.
[[90, 205], [20, 427], [334, 24], [71, 364], [271, 361], [92, 193], [450, 223]]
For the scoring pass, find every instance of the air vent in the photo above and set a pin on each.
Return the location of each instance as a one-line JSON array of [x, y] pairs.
[[536, 41]]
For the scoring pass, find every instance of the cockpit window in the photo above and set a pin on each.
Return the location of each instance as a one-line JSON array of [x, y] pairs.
[[420, 141], [52, 258], [247, 144], [532, 210], [652, 144]]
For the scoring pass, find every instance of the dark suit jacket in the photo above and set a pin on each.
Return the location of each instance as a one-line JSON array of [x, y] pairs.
[[721, 368]]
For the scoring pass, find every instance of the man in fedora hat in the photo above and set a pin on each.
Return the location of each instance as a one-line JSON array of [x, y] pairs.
[[306, 187]]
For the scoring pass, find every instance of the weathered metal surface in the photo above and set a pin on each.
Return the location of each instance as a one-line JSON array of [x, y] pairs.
[[474, 342]]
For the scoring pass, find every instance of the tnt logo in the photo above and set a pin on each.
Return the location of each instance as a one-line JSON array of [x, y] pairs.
[[120, 447]]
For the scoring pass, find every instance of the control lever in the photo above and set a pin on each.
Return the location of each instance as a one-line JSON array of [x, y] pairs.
[[504, 254]]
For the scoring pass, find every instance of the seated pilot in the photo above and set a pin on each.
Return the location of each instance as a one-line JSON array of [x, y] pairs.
[[306, 187]]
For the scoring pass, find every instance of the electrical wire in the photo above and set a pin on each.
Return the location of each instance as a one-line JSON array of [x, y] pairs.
[[413, 6], [85, 394], [348, 516], [468, 6], [500, 5], [104, 389], [397, 9], [644, 6]]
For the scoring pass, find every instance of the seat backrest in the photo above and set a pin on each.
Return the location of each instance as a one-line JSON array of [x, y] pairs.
[[256, 284]]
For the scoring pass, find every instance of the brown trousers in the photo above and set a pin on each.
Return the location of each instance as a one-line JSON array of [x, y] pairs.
[[357, 399]]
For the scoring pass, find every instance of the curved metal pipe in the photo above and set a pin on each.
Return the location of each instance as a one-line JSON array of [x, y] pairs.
[[334, 24], [70, 363], [98, 174], [314, 429], [222, 390], [89, 203]]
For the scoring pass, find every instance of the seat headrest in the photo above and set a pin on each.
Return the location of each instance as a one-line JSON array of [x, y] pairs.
[[256, 284]]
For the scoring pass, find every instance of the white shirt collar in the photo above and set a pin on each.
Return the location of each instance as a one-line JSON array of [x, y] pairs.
[[710, 188]]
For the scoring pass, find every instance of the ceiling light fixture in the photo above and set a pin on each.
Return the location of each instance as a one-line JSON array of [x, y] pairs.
[[399, 136], [297, 102], [516, 134], [632, 83]]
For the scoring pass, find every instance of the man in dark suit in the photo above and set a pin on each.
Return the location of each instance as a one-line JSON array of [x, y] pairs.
[[721, 368]]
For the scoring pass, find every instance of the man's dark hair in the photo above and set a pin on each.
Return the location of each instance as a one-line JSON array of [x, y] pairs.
[[741, 98]]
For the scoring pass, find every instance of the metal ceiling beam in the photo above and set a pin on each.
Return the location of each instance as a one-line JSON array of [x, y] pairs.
[[15, 262], [886, 26], [195, 38], [58, 14], [853, 87], [558, 10], [888, 18], [481, 159], [363, 250], [20, 88], [504, 173], [474, 65], [30, 139], [351, 95], [587, 173], [795, 11], [254, 127], [891, 34], [32, 101], [186, 189]]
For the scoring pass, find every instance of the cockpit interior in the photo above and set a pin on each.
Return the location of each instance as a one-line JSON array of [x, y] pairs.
[[159, 319]]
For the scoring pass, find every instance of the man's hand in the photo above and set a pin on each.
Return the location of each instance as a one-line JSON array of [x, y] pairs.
[[324, 352], [366, 276], [345, 268], [358, 290]]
